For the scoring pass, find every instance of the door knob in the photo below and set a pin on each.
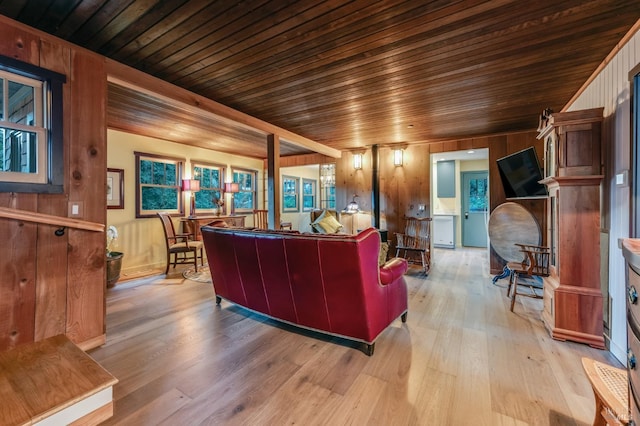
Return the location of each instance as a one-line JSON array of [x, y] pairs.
[[466, 215]]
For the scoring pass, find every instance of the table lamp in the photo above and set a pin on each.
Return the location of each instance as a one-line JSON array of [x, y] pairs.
[[192, 186]]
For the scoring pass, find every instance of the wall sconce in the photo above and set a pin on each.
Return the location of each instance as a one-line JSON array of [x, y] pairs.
[[357, 161], [192, 186], [232, 188], [397, 157]]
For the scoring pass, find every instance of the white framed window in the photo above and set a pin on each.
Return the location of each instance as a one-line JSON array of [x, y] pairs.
[[290, 194], [211, 177], [245, 199], [158, 185], [31, 157], [309, 194]]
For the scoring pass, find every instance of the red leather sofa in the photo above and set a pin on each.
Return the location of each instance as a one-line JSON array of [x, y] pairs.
[[327, 283]]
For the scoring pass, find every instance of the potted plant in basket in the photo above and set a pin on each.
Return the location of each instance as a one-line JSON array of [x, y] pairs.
[[114, 258]]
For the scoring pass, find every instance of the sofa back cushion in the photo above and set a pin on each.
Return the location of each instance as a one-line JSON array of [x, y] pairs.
[[317, 281]]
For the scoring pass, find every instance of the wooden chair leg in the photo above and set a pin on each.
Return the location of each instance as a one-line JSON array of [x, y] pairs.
[[510, 283], [166, 270], [514, 290], [195, 259]]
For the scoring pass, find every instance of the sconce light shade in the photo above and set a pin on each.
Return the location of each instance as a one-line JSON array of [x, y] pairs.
[[231, 187], [192, 185], [357, 161], [397, 157]]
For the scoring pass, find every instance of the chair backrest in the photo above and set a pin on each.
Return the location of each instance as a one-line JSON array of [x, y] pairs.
[[417, 233], [167, 225], [418, 227], [261, 219], [536, 261]]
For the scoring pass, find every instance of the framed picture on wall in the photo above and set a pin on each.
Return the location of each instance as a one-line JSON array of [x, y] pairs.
[[115, 188]]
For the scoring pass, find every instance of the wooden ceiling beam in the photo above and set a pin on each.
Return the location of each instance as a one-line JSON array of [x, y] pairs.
[[133, 79]]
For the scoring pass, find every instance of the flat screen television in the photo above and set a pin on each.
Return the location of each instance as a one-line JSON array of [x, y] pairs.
[[520, 174]]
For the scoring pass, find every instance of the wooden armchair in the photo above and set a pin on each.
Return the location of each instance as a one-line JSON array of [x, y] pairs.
[[535, 263], [180, 246], [261, 219], [416, 240]]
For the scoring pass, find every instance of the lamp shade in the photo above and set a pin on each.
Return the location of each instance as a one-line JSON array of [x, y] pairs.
[[357, 161], [397, 157], [352, 207], [231, 187], [192, 185]]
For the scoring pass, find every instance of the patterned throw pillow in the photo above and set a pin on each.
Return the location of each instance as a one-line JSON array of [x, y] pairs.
[[384, 249], [326, 224]]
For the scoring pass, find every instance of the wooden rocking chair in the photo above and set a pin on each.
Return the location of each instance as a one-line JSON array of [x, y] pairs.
[[416, 240]]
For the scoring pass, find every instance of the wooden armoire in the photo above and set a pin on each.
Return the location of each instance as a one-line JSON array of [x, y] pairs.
[[573, 175]]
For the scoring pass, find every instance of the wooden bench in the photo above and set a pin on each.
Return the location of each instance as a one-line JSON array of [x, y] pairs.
[[611, 389], [53, 382]]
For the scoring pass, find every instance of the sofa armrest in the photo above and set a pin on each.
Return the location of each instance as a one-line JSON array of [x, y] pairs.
[[392, 270]]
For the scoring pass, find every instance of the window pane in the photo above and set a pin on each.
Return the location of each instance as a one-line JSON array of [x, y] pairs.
[[243, 200], [19, 151], [289, 186], [215, 179], [290, 202], [205, 198], [158, 173], [146, 176], [171, 174], [478, 195], [308, 202], [155, 198], [21, 105], [244, 180]]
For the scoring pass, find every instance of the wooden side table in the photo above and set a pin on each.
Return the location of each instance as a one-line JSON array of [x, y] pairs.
[[236, 221], [610, 387]]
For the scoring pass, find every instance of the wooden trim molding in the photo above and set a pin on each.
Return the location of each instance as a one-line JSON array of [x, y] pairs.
[[29, 216]]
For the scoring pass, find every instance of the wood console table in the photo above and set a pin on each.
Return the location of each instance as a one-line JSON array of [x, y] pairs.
[[236, 221]]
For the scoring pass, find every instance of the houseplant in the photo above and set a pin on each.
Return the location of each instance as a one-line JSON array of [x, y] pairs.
[[114, 258]]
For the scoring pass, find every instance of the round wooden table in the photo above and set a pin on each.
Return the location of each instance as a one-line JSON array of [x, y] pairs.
[[510, 223]]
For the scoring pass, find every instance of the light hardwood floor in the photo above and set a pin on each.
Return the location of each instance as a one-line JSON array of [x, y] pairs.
[[461, 359]]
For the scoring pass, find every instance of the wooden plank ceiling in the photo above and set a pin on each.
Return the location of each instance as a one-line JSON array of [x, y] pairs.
[[343, 73]]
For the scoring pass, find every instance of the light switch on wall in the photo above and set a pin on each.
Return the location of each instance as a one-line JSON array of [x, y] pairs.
[[622, 178], [75, 209]]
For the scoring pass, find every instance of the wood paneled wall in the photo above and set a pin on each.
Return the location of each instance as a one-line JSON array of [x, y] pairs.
[[403, 188], [49, 284], [499, 147]]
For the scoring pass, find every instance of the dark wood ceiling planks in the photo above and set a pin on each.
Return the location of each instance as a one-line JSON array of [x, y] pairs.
[[343, 73]]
